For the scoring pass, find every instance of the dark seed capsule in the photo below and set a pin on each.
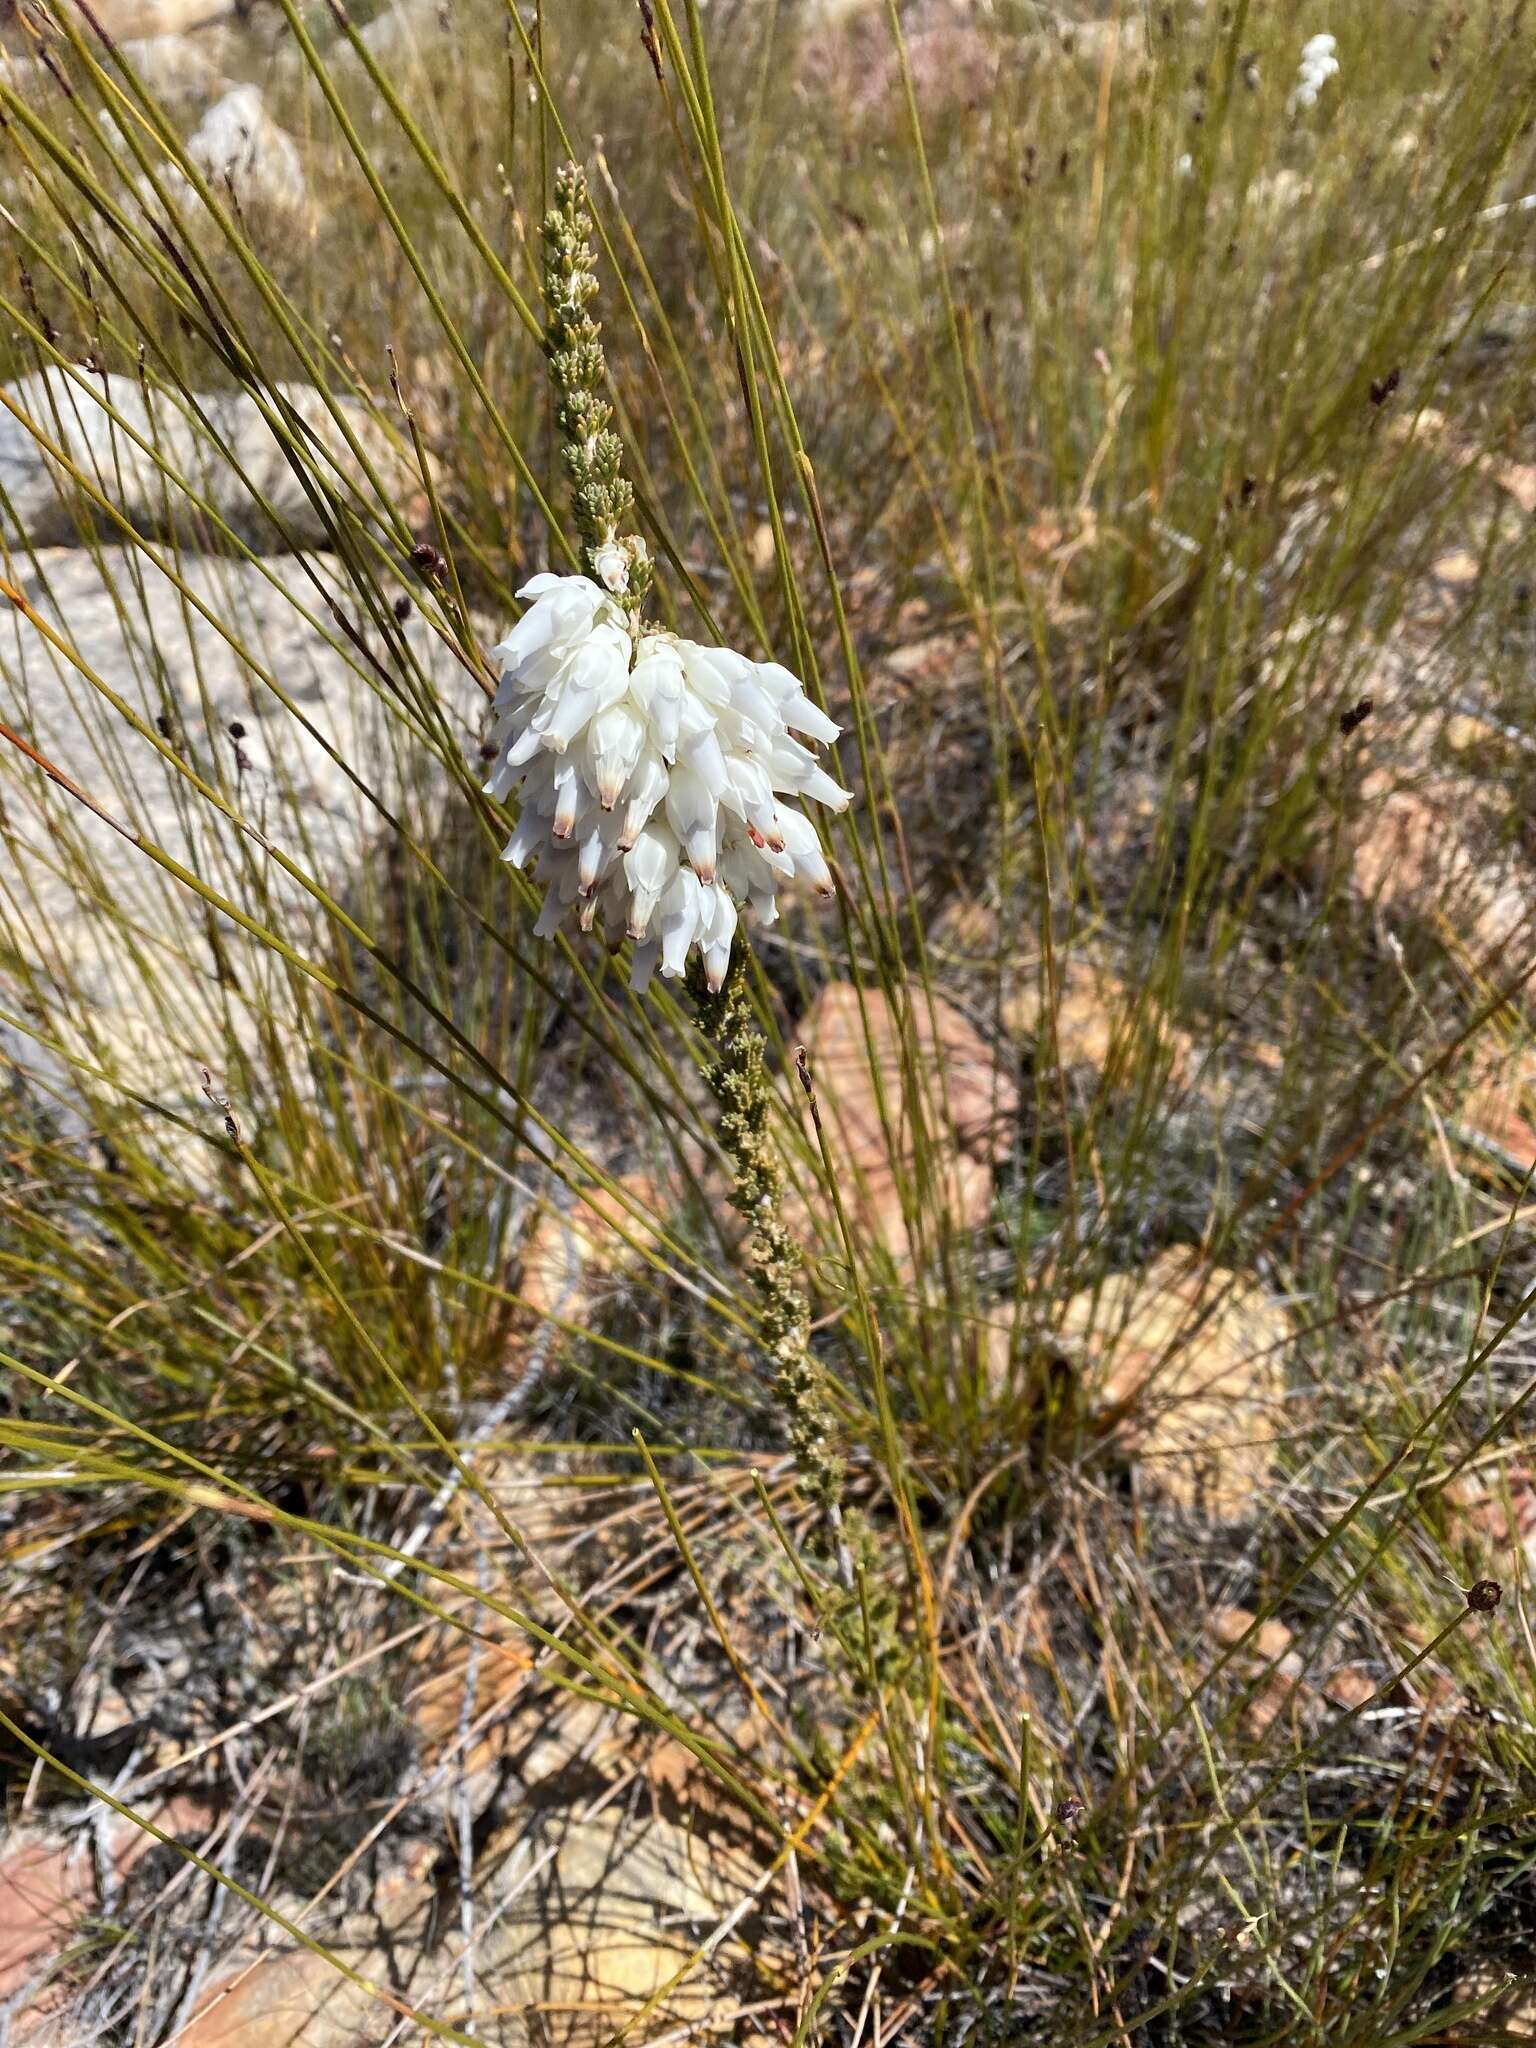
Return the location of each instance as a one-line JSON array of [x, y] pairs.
[[1351, 721], [237, 730], [1382, 388], [1484, 1596]]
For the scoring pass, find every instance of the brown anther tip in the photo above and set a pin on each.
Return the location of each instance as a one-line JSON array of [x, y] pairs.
[[1484, 1596], [756, 837], [776, 843]]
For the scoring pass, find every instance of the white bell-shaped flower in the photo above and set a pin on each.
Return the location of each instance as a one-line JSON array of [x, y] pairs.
[[652, 779], [1319, 63]]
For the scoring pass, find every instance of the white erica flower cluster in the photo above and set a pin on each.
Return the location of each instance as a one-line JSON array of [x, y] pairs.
[[652, 776], [1319, 63]]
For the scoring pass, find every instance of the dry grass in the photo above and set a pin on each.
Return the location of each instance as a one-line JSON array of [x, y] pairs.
[[1099, 432]]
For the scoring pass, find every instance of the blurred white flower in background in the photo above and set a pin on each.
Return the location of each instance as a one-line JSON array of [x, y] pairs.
[[651, 775], [1319, 63]]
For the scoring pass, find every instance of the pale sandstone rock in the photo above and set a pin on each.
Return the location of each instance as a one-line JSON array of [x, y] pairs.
[[571, 1247], [1269, 1661], [1349, 1686], [245, 155], [48, 1884], [1230, 1624], [131, 446], [1417, 853], [120, 18], [1187, 1363], [1095, 1022], [942, 1074], [1508, 1999], [585, 1910], [290, 1998], [615, 1911], [190, 990], [1457, 571], [410, 28], [183, 73]]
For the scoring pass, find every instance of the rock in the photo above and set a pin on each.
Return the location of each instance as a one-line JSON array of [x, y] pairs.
[[1279, 191], [1494, 1511], [570, 1248], [1269, 1663], [182, 73], [1096, 1021], [1418, 852], [539, 1732], [1349, 1687], [289, 1998], [1497, 1116], [1466, 734], [943, 1074], [584, 1905], [1230, 1624], [1504, 2002], [178, 987], [409, 28], [23, 75], [268, 1996], [848, 60], [222, 445], [48, 1884], [953, 64], [245, 155], [826, 14], [1518, 479], [45, 1888], [1101, 45], [618, 1908], [925, 665], [130, 18], [1281, 1693], [1456, 571], [400, 40], [964, 935], [1187, 1364]]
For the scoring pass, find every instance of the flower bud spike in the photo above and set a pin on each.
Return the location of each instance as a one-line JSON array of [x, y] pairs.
[[647, 772]]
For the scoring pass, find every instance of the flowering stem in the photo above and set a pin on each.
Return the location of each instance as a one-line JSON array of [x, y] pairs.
[[739, 1082], [682, 894], [602, 498]]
